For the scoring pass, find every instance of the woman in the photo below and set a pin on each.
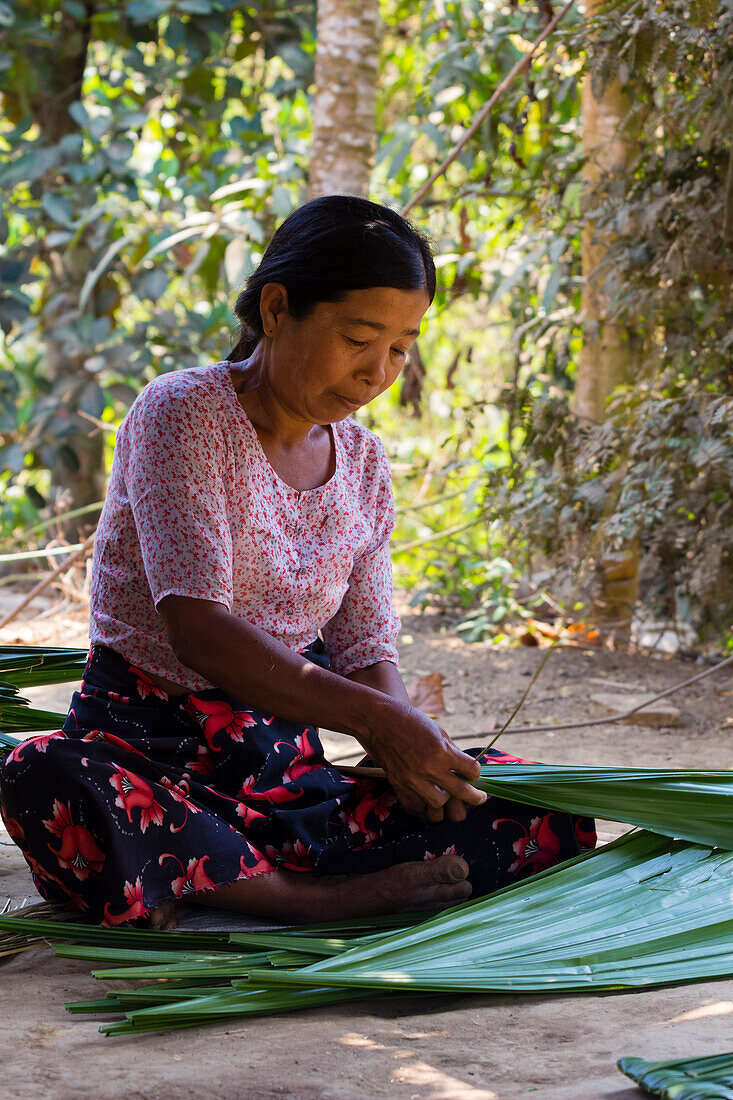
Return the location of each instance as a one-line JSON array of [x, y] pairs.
[[242, 597]]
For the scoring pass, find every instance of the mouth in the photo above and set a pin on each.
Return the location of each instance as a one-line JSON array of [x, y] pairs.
[[352, 406]]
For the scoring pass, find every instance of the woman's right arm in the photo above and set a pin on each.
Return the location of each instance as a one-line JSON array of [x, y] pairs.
[[418, 756]]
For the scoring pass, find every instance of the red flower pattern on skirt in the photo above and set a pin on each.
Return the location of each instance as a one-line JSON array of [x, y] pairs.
[[217, 716], [39, 743], [295, 856], [261, 867], [180, 793], [135, 793], [79, 850], [146, 687], [136, 906], [538, 848], [450, 851], [192, 879]]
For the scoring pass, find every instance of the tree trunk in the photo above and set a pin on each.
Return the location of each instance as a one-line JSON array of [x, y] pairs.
[[609, 347], [344, 108], [80, 479]]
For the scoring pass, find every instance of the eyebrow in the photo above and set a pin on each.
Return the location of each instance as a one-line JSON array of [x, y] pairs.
[[378, 325]]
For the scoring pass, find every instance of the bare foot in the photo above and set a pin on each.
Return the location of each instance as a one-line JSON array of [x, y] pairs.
[[163, 916], [408, 887], [300, 898]]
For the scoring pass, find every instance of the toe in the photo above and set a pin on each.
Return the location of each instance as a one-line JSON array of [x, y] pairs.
[[451, 868]]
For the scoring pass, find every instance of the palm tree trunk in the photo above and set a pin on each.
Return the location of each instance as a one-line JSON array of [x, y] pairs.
[[78, 478], [344, 109], [610, 348]]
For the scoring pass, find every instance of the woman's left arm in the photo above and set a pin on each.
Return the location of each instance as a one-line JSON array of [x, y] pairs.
[[384, 677]]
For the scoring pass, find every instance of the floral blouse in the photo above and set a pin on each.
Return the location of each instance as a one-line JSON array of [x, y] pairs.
[[194, 508]]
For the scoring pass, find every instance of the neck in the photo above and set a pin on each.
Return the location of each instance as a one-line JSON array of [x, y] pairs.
[[270, 416]]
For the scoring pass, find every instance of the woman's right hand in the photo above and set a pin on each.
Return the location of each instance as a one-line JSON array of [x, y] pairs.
[[423, 765]]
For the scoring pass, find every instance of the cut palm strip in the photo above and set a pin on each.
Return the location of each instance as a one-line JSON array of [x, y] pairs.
[[640, 912], [694, 805], [708, 1078]]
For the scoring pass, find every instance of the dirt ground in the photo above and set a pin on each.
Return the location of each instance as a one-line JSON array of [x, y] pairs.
[[433, 1048]]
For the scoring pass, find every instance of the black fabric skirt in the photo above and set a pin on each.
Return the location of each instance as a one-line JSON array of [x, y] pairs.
[[145, 797]]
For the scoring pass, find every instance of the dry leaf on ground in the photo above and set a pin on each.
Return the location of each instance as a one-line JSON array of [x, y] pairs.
[[427, 694]]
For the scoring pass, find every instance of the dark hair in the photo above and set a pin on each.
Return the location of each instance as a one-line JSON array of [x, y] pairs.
[[328, 247]]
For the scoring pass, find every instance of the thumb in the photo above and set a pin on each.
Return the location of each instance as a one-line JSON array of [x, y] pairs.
[[467, 765]]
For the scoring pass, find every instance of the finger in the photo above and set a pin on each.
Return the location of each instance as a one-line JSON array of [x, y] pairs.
[[458, 788], [434, 796], [455, 810]]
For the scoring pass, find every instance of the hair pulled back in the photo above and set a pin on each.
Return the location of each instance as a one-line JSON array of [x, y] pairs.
[[327, 248]]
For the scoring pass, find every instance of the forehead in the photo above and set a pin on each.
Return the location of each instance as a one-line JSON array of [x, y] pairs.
[[381, 308]]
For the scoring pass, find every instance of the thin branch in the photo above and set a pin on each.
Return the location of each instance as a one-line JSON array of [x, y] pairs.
[[520, 67], [43, 585]]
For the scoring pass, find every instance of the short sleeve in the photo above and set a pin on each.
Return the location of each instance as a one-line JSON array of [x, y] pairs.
[[364, 629], [174, 459]]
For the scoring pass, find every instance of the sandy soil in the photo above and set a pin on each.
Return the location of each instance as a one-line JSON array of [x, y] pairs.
[[435, 1048]]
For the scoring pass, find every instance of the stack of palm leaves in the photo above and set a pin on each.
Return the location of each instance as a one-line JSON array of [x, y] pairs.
[[32, 666], [644, 911], [708, 1078]]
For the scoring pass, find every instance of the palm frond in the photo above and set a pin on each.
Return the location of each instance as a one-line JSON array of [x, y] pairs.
[[694, 805], [641, 912], [709, 1078], [38, 666], [32, 666]]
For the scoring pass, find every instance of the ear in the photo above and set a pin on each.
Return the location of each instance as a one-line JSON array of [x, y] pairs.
[[273, 304]]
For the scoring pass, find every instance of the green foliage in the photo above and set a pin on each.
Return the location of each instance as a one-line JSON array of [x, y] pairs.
[[658, 468], [135, 208], [146, 151]]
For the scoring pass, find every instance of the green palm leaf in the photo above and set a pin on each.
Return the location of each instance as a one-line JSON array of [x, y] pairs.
[[694, 805], [708, 1078], [641, 912], [32, 666]]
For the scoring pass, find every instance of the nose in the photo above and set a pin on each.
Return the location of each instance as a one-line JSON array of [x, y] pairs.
[[376, 370]]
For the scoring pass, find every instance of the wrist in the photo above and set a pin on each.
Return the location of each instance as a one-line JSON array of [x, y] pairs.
[[375, 712]]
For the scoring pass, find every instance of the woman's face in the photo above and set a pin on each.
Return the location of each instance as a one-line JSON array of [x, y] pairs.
[[342, 356]]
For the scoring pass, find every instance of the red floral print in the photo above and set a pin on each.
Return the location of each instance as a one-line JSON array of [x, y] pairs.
[[261, 867], [248, 815], [39, 743], [273, 794], [15, 829], [111, 739], [295, 856], [78, 850], [370, 803], [179, 792], [450, 851], [134, 793], [585, 831], [217, 716], [538, 848], [43, 875], [136, 906], [193, 879], [146, 687]]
